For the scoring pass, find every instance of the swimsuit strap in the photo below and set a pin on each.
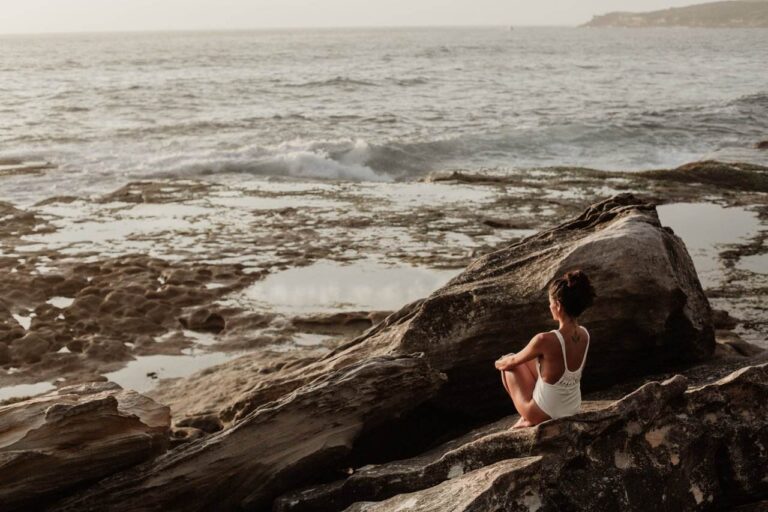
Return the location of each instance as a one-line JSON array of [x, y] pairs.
[[565, 359], [586, 349], [562, 346]]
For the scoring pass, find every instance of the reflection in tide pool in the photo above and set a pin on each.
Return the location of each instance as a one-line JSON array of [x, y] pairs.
[[135, 374], [705, 228], [21, 390], [757, 263], [327, 286]]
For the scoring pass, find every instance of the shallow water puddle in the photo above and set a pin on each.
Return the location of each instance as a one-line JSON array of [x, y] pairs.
[[21, 390], [706, 228], [143, 373], [279, 185], [757, 263], [327, 286], [274, 203], [24, 321], [306, 339], [408, 195], [60, 302]]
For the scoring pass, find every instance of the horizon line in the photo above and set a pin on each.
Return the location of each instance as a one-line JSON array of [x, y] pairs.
[[286, 27]]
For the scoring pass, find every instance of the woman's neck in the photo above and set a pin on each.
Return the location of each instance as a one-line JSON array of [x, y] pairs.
[[568, 322]]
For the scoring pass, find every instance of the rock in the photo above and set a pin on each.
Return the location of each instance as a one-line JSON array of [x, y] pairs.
[[732, 345], [502, 486], [650, 314], [665, 446], [182, 435], [204, 320], [30, 348], [758, 506], [107, 349], [5, 354], [300, 436], [73, 436], [75, 346], [9, 327], [209, 423], [722, 319], [70, 286], [763, 144], [346, 322], [479, 448], [503, 224], [181, 276], [210, 390], [739, 176]]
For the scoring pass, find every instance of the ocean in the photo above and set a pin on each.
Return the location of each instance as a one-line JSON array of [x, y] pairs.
[[373, 104]]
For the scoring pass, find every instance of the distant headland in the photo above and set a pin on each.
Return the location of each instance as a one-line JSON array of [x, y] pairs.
[[734, 14]]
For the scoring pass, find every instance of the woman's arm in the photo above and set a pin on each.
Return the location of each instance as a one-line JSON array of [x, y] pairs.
[[531, 351]]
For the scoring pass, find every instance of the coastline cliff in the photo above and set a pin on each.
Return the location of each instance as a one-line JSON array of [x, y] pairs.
[[729, 14]]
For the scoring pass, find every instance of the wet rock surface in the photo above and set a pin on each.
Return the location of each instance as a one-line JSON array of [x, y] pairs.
[[297, 437], [74, 436], [94, 317], [673, 444]]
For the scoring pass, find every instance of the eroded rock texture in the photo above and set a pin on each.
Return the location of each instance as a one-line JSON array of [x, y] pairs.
[[274, 448], [73, 436], [666, 446], [651, 312]]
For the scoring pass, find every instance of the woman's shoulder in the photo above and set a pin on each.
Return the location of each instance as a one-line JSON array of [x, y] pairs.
[[546, 337]]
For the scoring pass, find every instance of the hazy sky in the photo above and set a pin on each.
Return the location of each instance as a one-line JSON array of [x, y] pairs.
[[22, 16]]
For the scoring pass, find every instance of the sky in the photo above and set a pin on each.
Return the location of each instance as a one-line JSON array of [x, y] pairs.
[[41, 16]]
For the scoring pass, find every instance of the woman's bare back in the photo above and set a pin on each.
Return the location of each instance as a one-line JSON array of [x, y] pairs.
[[551, 361]]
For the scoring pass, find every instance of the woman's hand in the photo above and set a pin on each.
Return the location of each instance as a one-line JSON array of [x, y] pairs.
[[505, 363], [531, 351]]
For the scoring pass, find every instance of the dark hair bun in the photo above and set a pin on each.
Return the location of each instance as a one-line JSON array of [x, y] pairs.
[[574, 292], [576, 278]]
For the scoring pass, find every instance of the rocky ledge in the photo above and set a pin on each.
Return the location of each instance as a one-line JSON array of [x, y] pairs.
[[411, 415], [651, 314], [666, 446], [76, 435]]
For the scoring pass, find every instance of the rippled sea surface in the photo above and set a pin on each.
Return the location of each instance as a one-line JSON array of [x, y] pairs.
[[375, 104]]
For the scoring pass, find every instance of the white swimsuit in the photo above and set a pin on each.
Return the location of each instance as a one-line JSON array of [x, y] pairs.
[[562, 398]]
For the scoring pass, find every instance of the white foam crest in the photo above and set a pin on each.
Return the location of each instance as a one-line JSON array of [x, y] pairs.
[[340, 159]]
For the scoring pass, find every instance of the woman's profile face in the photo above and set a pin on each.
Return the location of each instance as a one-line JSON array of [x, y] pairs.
[[553, 307]]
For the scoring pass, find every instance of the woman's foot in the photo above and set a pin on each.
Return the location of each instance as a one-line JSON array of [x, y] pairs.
[[522, 423]]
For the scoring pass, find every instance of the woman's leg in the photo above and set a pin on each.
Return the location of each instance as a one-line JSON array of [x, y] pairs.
[[533, 369], [519, 383]]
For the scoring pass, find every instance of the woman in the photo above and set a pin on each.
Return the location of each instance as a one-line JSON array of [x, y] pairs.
[[551, 388]]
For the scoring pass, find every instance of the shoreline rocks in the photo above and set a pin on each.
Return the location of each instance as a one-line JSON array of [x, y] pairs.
[[294, 439], [147, 300], [667, 445], [74, 436], [374, 426]]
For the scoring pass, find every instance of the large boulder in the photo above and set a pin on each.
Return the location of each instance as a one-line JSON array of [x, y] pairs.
[[666, 446], [651, 312], [299, 438], [73, 436]]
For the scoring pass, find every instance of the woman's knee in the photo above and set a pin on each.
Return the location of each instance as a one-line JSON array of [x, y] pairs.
[[508, 381]]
